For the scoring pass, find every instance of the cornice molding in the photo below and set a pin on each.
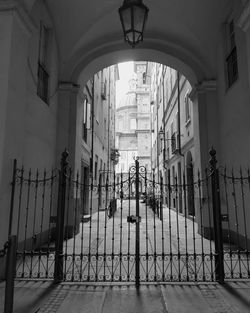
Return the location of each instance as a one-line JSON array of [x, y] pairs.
[[203, 87], [244, 18], [15, 8]]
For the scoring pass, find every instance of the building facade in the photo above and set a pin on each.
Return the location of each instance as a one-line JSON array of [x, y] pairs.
[[98, 138], [173, 135]]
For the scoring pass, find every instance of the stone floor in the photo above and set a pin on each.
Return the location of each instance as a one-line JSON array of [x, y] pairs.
[[34, 296], [44, 297]]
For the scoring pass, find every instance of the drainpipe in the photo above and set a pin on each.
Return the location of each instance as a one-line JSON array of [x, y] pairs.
[[179, 115], [92, 126], [163, 118], [157, 136]]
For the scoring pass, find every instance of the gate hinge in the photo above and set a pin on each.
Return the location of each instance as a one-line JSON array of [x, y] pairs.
[[133, 219]]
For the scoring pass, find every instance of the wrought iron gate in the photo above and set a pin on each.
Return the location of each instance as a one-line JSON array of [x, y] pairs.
[[143, 232]]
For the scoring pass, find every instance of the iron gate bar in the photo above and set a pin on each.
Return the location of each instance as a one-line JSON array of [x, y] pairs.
[[194, 245], [26, 218], [21, 179], [162, 227], [12, 197], [246, 238], [50, 213], [185, 224], [228, 222], [90, 223], [177, 226], [121, 210], [137, 227], [34, 221], [154, 205], [82, 190], [42, 218], [128, 225], [107, 210], [58, 271], [113, 239], [201, 220], [67, 235], [97, 229], [209, 221], [244, 213], [219, 262], [146, 212], [170, 226], [236, 222]]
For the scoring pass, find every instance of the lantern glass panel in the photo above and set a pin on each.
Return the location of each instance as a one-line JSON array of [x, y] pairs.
[[130, 36], [138, 18], [126, 17]]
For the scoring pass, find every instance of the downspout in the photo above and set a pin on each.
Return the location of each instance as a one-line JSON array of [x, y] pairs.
[[163, 118], [92, 126], [179, 115], [157, 136]]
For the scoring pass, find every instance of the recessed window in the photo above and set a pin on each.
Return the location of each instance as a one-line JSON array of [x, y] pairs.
[[231, 57], [132, 123], [187, 108], [86, 120], [42, 73]]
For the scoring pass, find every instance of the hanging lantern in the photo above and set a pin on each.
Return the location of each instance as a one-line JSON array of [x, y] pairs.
[[133, 16]]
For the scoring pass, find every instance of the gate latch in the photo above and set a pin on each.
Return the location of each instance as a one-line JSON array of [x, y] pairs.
[[133, 219]]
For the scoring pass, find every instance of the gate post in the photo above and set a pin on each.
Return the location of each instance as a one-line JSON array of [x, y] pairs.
[[137, 227], [58, 270], [10, 274], [218, 240]]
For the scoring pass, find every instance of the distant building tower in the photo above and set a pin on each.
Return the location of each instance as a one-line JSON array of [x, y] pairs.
[[133, 123]]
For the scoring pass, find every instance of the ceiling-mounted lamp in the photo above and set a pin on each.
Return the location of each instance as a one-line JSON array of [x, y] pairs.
[[133, 16]]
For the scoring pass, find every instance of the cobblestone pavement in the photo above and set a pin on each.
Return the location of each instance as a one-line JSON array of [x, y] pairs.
[[42, 297]]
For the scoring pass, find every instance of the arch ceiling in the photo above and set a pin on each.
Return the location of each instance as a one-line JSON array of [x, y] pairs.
[[180, 33]]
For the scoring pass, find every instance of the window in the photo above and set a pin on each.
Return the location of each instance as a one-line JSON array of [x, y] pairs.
[[187, 108], [86, 120], [132, 123], [42, 73], [231, 58], [103, 87]]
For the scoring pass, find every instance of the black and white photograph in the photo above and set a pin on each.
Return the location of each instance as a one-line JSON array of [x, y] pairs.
[[125, 156]]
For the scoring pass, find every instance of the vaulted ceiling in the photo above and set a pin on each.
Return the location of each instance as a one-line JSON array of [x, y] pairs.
[[188, 31]]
